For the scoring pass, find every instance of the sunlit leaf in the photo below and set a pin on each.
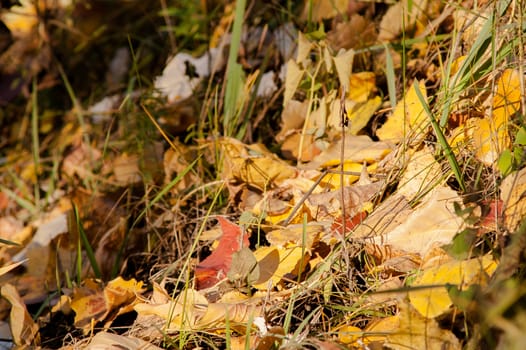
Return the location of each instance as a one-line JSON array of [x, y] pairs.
[[216, 266], [408, 118], [433, 299]]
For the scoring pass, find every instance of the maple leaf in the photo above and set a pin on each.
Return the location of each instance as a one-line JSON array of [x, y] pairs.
[[215, 267]]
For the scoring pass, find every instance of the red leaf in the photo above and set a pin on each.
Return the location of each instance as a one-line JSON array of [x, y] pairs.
[[215, 267], [350, 223]]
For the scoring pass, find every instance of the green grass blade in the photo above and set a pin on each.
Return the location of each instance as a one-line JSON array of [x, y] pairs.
[[390, 76], [450, 156], [234, 72], [35, 141], [87, 246]]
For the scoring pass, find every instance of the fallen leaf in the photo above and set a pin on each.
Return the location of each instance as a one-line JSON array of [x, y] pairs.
[[23, 329], [401, 16], [409, 330], [507, 99], [433, 223], [433, 301], [408, 120], [236, 315], [176, 85], [292, 260], [420, 175], [317, 10], [181, 314], [253, 165], [215, 267], [489, 138], [105, 340], [244, 269], [512, 190], [358, 149]]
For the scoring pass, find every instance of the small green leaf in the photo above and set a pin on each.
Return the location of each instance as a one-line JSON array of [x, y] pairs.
[[520, 138], [505, 162], [461, 246]]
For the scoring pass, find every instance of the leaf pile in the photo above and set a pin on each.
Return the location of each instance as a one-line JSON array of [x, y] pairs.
[[364, 162]]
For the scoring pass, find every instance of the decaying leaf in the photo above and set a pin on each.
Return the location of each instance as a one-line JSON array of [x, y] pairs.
[[183, 313], [322, 9], [421, 174], [106, 340], [292, 81], [23, 329], [92, 303], [293, 259], [433, 223]]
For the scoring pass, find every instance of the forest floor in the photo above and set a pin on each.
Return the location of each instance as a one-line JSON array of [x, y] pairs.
[[318, 174]]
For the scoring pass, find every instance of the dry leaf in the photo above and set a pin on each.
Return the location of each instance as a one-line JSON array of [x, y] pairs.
[[420, 175], [292, 259], [181, 314], [343, 62], [433, 223], [409, 330], [110, 341], [433, 301], [489, 139], [401, 16], [215, 267], [512, 192], [408, 119], [23, 328], [358, 149], [292, 80], [323, 9], [253, 165]]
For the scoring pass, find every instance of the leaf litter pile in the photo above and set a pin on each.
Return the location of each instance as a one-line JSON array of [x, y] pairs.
[[318, 174]]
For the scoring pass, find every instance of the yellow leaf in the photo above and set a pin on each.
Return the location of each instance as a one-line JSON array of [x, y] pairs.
[[238, 315], [358, 149], [409, 330], [361, 86], [317, 10], [291, 258], [21, 19], [507, 99], [361, 113], [433, 223], [433, 301], [408, 119], [512, 192], [253, 165], [490, 137], [348, 334]]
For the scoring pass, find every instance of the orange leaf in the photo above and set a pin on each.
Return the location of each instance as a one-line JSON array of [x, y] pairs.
[[215, 267]]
